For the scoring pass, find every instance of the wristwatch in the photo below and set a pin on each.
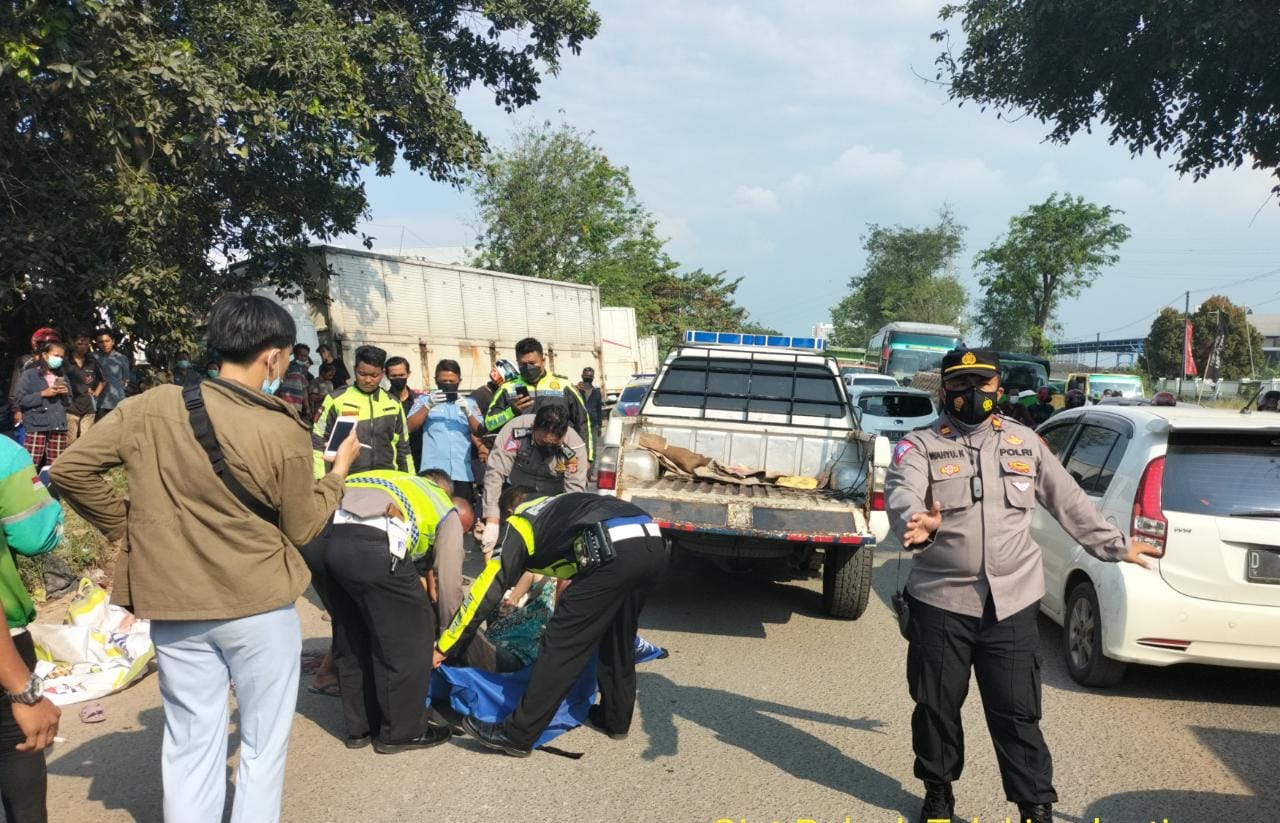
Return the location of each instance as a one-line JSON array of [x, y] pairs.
[[31, 694]]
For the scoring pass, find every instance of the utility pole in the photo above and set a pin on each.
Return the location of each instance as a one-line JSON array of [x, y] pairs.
[[1186, 318], [1097, 348]]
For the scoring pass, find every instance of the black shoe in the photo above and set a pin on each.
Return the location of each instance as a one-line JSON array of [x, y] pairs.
[[433, 736], [939, 802], [359, 742], [493, 736], [1035, 813], [595, 716]]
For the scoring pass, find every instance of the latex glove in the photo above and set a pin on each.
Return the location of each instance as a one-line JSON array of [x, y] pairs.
[[436, 397], [490, 538]]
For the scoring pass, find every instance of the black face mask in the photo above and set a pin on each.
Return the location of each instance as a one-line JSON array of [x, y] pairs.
[[448, 386], [972, 405], [398, 384], [530, 373], [587, 381]]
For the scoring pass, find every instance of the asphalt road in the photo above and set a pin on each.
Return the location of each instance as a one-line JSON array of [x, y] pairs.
[[765, 711]]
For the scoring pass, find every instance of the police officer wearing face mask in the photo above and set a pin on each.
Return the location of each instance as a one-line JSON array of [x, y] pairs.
[[533, 451], [961, 493], [534, 389]]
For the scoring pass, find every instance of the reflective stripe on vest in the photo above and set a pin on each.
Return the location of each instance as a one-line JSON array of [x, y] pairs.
[[423, 502]]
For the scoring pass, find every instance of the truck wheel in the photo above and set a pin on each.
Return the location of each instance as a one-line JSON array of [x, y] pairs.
[[1082, 640], [846, 581]]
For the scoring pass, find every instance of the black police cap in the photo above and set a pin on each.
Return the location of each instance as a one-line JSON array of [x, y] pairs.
[[959, 362]]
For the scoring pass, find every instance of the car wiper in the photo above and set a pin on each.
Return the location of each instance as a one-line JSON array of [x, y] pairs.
[[1257, 513]]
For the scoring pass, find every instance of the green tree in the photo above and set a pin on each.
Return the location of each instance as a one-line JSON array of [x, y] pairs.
[[1053, 250], [553, 205], [1196, 80], [1162, 350], [147, 145], [906, 277], [1238, 335]]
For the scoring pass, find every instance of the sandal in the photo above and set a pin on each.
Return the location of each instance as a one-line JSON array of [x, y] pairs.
[[329, 690], [92, 713]]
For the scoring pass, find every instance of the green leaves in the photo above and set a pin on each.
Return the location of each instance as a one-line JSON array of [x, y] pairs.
[[1191, 79], [554, 206], [148, 145], [1053, 250], [907, 277]]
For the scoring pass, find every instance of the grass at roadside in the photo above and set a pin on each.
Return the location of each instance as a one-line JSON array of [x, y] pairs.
[[83, 548]]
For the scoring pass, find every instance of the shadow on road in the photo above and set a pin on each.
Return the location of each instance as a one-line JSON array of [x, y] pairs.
[[748, 723], [1241, 752]]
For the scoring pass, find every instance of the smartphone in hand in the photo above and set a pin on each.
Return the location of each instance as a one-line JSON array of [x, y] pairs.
[[341, 430]]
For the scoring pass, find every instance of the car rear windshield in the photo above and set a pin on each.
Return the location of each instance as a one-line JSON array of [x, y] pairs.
[[750, 386], [1221, 473], [633, 394], [896, 405]]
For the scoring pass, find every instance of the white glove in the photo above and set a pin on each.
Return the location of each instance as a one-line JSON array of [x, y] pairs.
[[490, 538], [436, 397]]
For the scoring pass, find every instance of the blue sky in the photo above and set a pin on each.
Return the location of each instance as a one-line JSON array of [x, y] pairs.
[[766, 136]]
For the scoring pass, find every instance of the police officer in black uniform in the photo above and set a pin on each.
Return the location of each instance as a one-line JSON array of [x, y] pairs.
[[962, 492], [614, 554]]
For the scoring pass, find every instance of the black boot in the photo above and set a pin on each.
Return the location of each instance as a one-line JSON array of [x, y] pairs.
[[433, 736], [1035, 813], [494, 736], [595, 716], [939, 802]]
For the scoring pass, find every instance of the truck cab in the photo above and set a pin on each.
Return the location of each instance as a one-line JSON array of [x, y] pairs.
[[747, 450]]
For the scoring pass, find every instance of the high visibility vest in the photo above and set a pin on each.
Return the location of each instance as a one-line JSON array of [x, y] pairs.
[[423, 502]]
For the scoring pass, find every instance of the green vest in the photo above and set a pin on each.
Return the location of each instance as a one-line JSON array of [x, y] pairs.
[[423, 502]]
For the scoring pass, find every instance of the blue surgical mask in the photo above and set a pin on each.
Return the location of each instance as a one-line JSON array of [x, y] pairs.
[[184, 364], [269, 385], [53, 361]]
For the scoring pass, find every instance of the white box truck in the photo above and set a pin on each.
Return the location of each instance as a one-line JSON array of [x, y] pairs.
[[430, 311]]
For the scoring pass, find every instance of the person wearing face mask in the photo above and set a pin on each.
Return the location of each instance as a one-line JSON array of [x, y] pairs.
[[961, 493], [592, 399], [43, 396], [184, 371], [221, 493], [398, 379], [448, 420], [380, 419], [534, 389], [533, 451]]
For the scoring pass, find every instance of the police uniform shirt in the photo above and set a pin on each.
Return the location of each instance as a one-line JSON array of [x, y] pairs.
[[517, 460], [984, 545], [538, 537]]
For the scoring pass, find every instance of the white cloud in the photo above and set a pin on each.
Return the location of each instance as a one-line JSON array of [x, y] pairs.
[[756, 199], [675, 229], [860, 165]]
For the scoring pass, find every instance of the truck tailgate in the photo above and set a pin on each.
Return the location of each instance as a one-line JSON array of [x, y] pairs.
[[760, 510]]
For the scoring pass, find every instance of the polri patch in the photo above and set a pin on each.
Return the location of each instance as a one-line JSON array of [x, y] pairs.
[[900, 450], [512, 444]]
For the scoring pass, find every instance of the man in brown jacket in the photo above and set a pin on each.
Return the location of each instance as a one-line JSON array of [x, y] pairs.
[[209, 553]]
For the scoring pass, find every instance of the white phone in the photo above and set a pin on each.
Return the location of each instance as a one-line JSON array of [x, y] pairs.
[[341, 429]]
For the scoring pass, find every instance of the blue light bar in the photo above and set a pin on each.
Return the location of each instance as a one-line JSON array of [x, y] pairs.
[[768, 341]]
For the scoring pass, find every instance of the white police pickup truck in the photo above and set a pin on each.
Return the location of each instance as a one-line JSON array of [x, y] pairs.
[[764, 409]]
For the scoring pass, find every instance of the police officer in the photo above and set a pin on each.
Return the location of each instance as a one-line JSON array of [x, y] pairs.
[[379, 546], [535, 388], [536, 451], [614, 554], [961, 491]]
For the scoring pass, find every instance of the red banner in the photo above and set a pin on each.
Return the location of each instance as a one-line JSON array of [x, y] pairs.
[[1191, 361]]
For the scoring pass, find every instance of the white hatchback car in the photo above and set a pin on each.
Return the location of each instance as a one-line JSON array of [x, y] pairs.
[[1204, 484], [893, 412]]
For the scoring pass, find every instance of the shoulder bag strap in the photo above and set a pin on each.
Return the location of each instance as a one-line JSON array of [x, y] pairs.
[[203, 429]]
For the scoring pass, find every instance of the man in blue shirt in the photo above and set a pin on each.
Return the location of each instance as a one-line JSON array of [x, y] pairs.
[[448, 421], [116, 372]]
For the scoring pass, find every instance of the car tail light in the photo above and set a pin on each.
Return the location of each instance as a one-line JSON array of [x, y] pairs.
[[607, 469], [877, 501], [1149, 522]]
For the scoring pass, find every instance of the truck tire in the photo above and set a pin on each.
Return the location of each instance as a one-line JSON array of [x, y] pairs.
[[846, 581], [1082, 640]]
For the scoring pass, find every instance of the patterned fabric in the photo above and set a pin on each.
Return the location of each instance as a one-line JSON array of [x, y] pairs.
[[45, 447]]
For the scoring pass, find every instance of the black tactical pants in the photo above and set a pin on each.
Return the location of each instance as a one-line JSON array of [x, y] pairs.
[[1005, 656], [599, 610], [383, 631]]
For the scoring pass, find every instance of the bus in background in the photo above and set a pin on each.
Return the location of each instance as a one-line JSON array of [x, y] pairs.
[[902, 349], [1022, 372]]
